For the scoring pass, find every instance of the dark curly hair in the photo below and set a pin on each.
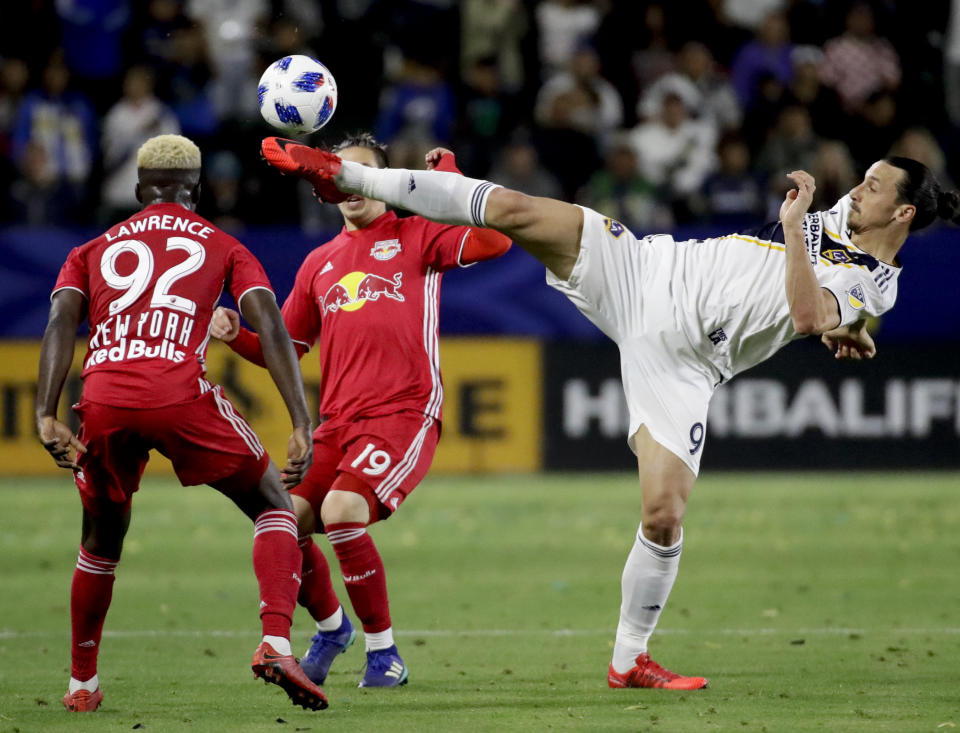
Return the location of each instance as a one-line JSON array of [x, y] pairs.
[[920, 188], [368, 141]]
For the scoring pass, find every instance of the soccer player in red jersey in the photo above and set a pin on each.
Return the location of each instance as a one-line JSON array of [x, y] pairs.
[[371, 297], [148, 286]]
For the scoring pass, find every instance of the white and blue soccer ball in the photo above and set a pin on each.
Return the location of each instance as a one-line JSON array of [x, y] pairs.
[[297, 95]]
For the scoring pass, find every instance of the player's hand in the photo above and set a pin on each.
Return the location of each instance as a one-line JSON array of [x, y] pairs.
[[798, 200], [225, 324], [299, 456], [850, 342], [432, 159], [59, 440]]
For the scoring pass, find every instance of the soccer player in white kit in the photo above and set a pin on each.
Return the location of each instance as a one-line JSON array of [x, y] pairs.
[[686, 316]]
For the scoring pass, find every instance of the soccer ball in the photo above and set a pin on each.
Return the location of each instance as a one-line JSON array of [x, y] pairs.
[[297, 95]]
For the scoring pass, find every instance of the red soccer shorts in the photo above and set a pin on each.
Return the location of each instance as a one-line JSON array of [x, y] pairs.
[[390, 454], [206, 439]]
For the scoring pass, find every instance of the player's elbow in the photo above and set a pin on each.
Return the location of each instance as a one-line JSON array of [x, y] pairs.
[[811, 323]]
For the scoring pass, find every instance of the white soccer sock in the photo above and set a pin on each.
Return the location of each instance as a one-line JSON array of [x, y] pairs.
[[379, 640], [646, 583], [437, 195], [89, 685], [331, 623], [279, 644]]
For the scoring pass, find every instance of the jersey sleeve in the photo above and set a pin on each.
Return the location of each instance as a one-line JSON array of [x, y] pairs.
[[73, 275], [442, 245], [856, 292], [301, 313], [245, 273]]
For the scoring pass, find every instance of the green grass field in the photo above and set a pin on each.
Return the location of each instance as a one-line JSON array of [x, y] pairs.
[[812, 602]]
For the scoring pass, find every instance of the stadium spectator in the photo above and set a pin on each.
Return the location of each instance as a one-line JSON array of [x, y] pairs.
[[675, 150], [486, 113], [876, 125], [620, 189], [807, 90], [144, 389], [579, 99], [563, 25], [518, 166], [39, 196], [92, 34], [732, 197], [575, 109], [61, 123], [133, 120], [379, 425], [834, 171], [654, 55], [859, 64], [768, 55], [14, 77], [418, 107], [491, 34], [718, 99], [231, 28], [685, 318], [920, 144], [155, 32], [792, 144], [187, 84]]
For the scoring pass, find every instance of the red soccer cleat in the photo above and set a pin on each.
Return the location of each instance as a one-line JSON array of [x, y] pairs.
[[648, 673], [317, 166], [83, 701], [283, 670]]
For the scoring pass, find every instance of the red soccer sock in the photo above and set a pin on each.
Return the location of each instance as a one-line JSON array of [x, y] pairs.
[[276, 563], [90, 596], [363, 574], [316, 590]]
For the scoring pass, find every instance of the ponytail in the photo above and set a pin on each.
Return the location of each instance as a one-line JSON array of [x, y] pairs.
[[920, 189], [948, 206]]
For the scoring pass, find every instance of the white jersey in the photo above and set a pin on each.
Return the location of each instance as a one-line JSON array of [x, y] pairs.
[[731, 290], [687, 316]]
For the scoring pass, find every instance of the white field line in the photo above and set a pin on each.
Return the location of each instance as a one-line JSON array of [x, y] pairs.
[[199, 633]]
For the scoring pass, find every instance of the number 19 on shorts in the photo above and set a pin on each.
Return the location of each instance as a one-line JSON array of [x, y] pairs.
[[376, 461]]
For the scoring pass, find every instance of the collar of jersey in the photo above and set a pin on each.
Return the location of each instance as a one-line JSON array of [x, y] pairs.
[[388, 217]]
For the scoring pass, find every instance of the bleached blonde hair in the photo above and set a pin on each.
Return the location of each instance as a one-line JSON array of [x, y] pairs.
[[169, 151]]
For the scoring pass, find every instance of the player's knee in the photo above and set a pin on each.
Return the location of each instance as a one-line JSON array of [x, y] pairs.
[[306, 518], [662, 522], [344, 506]]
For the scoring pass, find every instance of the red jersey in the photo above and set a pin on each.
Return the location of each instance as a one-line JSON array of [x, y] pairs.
[[152, 283], [374, 293]]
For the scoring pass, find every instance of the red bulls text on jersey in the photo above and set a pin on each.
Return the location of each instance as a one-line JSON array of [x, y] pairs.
[[151, 283]]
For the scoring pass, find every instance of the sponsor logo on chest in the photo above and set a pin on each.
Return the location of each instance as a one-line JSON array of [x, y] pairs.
[[385, 249]]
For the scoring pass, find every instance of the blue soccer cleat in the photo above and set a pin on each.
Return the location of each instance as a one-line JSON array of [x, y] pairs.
[[325, 647], [385, 668]]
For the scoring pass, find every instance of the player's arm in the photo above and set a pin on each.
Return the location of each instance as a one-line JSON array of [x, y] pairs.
[[225, 326], [56, 355], [260, 308], [813, 309], [479, 244], [850, 342]]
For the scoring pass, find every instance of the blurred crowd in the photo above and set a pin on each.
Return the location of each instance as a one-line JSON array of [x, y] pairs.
[[661, 113]]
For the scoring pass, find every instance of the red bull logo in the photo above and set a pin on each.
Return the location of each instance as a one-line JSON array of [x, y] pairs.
[[356, 288], [386, 249]]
